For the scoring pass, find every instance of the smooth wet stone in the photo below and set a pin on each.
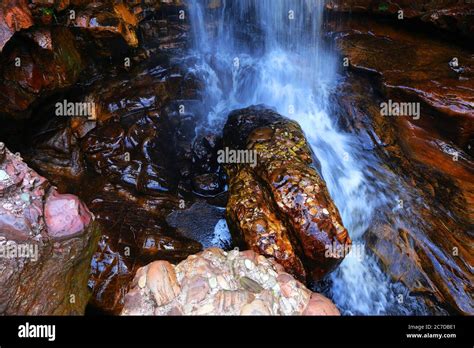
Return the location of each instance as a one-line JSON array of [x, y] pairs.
[[281, 199], [193, 288], [41, 72], [445, 95]]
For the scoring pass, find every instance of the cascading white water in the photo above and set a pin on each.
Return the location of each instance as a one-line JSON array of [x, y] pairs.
[[269, 52]]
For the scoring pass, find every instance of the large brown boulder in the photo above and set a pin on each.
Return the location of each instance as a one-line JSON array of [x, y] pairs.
[[216, 282], [279, 205], [46, 241]]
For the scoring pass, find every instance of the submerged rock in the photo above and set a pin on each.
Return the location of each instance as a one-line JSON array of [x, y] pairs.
[[46, 241], [279, 205], [215, 282]]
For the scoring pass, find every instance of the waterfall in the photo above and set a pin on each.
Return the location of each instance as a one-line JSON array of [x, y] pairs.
[[270, 52]]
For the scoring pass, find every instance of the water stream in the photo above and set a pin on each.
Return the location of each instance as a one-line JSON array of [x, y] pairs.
[[270, 52]]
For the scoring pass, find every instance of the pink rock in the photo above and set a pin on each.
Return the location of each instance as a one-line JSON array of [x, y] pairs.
[[250, 254], [256, 307], [320, 305], [198, 287], [162, 282], [65, 215]]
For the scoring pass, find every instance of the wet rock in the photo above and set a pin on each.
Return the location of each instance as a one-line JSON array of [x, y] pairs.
[[32, 72], [49, 56], [201, 221], [56, 152], [132, 237], [47, 240], [430, 155], [208, 184], [65, 215], [257, 225], [209, 283], [418, 77], [279, 205], [452, 15], [108, 20], [14, 16]]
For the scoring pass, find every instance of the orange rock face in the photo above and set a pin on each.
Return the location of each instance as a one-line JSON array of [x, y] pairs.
[[431, 152], [14, 16]]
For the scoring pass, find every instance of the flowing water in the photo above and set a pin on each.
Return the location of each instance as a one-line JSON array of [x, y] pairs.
[[270, 52]]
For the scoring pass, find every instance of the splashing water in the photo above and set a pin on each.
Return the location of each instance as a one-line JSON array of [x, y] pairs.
[[269, 52]]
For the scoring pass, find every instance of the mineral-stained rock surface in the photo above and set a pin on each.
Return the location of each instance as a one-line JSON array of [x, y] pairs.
[[57, 41], [14, 16], [136, 159], [442, 81], [426, 242], [280, 206], [215, 282], [46, 244], [454, 16], [132, 238], [31, 71]]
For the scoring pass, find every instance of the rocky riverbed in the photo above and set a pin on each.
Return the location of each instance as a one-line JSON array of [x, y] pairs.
[[201, 139]]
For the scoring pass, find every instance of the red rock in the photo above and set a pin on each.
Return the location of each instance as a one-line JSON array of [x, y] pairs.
[[427, 252], [65, 215], [41, 71]]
